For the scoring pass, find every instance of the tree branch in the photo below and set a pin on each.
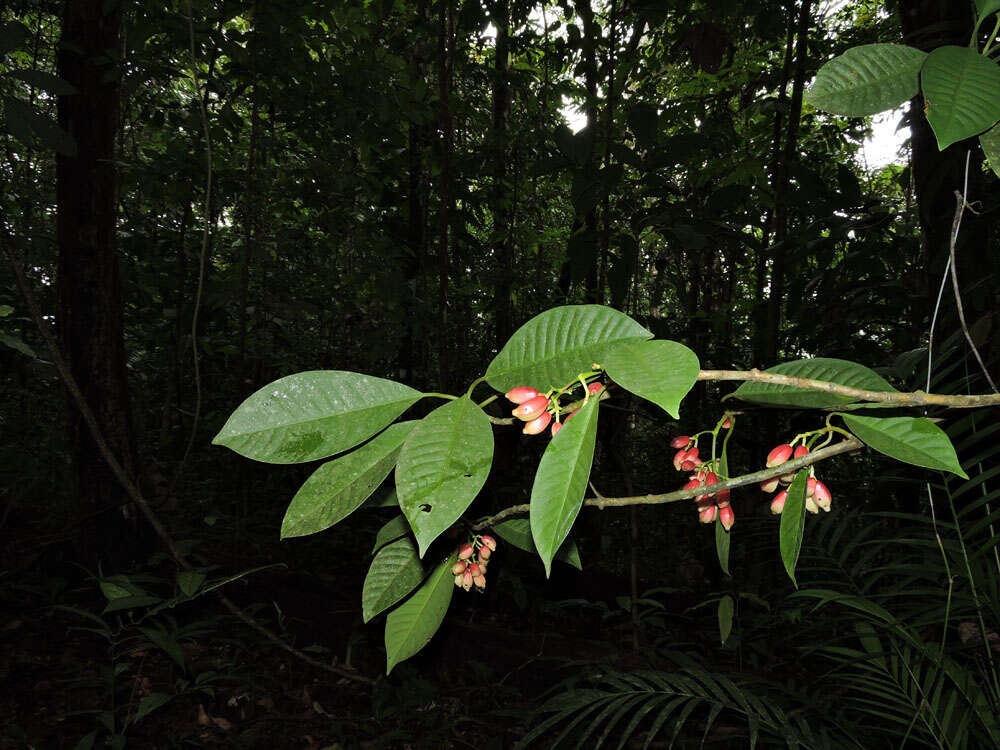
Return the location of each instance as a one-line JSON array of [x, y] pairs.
[[845, 446]]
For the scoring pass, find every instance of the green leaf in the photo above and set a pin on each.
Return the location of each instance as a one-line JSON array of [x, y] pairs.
[[658, 371], [189, 581], [394, 573], [551, 349], [5, 310], [337, 488], [961, 91], [725, 617], [443, 465], [839, 371], [12, 35], [16, 344], [985, 7], [867, 79], [561, 482], [150, 703], [313, 415], [912, 440], [410, 626], [517, 531], [990, 141], [166, 642], [45, 81], [722, 542], [392, 531], [793, 523]]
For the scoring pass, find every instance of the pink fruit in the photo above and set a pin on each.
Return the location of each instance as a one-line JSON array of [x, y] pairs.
[[770, 485], [556, 426], [778, 504], [722, 497], [521, 394], [595, 388], [681, 441], [485, 552], [531, 408], [800, 451], [726, 423], [692, 485], [458, 568], [487, 541], [465, 552], [779, 455], [480, 581], [467, 580], [475, 570], [537, 425], [707, 515], [726, 517], [810, 486], [822, 496]]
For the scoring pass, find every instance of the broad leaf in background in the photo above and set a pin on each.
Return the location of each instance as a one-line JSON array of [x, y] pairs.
[[410, 626], [912, 440], [985, 7], [793, 523], [15, 343], [189, 581], [394, 573], [44, 81], [726, 606], [392, 531], [990, 141], [552, 348], [839, 371], [658, 371], [867, 79], [337, 488], [313, 415], [443, 465], [961, 91], [561, 482], [517, 531]]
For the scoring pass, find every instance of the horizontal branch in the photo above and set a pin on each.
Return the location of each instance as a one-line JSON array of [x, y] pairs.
[[916, 398], [845, 446]]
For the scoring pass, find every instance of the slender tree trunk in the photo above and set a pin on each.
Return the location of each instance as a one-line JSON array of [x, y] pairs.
[[503, 246], [591, 35], [781, 193], [445, 60], [88, 281]]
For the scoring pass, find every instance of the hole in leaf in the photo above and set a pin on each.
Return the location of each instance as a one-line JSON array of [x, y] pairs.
[[468, 476], [425, 507]]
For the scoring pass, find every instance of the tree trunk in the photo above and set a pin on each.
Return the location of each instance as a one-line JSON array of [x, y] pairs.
[[445, 55], [500, 15], [88, 281]]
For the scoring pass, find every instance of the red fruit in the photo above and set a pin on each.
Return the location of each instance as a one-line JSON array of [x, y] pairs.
[[521, 394], [538, 424], [485, 552], [822, 496], [692, 454], [779, 455], [770, 485], [810, 486], [475, 570], [595, 388], [465, 552], [710, 478], [556, 426], [692, 485], [707, 515], [459, 567], [487, 541], [681, 441], [778, 504], [726, 517], [722, 498], [800, 451], [726, 423], [531, 408]]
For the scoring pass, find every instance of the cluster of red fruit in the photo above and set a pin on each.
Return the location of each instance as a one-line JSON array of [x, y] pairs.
[[536, 409], [817, 494], [471, 572], [710, 506]]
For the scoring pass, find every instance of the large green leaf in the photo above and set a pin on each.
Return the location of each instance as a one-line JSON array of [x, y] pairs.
[[793, 524], [561, 482], [552, 348], [517, 531], [394, 573], [723, 541], [658, 371], [726, 606], [985, 7], [912, 440], [337, 488], [392, 531], [410, 626], [961, 91], [443, 465], [990, 141], [867, 79], [839, 371], [313, 415]]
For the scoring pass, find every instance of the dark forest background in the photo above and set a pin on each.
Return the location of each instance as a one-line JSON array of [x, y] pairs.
[[206, 196]]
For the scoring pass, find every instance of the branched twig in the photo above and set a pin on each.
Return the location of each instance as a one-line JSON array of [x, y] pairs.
[[16, 263], [845, 446]]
